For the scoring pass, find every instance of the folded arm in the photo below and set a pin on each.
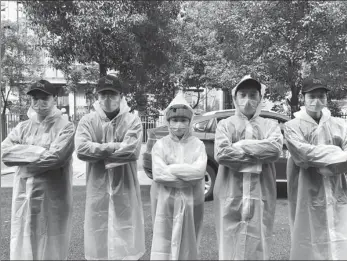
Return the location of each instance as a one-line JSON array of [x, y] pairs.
[[307, 155], [161, 171], [15, 154], [338, 168], [266, 150], [228, 154], [58, 153], [129, 149], [194, 171], [88, 150]]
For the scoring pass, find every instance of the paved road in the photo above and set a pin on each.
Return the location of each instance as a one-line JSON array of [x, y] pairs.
[[279, 251]]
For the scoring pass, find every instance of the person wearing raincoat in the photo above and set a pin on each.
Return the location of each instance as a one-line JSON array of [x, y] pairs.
[[177, 192], [109, 140], [246, 147], [317, 188], [41, 148]]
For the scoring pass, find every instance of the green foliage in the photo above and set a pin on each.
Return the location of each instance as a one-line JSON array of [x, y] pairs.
[[20, 64], [158, 46], [132, 37], [334, 108], [285, 41]]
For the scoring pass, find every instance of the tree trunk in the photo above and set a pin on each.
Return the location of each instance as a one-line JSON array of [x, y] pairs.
[[294, 101], [227, 99], [74, 107], [103, 69], [197, 102], [3, 126]]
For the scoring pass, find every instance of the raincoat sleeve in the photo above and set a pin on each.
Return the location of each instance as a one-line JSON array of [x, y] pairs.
[[15, 154], [88, 150], [306, 155], [229, 154], [57, 154], [191, 172], [266, 150], [339, 168], [129, 149], [161, 170]]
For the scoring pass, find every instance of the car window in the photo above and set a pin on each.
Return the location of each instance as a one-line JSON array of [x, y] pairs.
[[214, 124], [201, 126]]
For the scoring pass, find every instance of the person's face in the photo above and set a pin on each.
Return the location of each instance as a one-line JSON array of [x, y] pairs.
[[109, 100], [248, 99], [179, 125], [42, 102], [315, 100]]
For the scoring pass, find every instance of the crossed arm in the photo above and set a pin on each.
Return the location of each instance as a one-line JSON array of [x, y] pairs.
[[238, 154], [178, 175], [37, 159]]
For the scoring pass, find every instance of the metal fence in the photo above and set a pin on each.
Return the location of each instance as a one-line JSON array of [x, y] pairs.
[[148, 122], [343, 116], [11, 121]]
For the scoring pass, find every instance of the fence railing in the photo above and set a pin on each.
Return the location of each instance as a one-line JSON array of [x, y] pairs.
[[148, 122], [343, 115], [11, 121]]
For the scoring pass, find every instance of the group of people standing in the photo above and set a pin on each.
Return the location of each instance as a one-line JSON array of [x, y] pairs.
[[246, 147]]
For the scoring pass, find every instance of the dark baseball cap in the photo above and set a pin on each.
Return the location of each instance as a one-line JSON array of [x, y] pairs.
[[248, 80], [43, 86], [109, 83], [313, 84]]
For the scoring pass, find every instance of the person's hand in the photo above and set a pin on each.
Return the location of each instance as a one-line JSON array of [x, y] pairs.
[[113, 146], [242, 143], [170, 159], [326, 171]]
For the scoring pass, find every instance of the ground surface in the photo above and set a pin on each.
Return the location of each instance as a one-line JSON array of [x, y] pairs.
[[279, 251]]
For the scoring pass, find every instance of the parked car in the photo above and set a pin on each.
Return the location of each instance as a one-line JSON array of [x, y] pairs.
[[204, 128]]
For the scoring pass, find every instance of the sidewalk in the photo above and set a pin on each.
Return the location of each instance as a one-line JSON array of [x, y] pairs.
[[79, 177]]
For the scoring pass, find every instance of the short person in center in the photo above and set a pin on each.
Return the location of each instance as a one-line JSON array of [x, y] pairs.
[[177, 193], [246, 147]]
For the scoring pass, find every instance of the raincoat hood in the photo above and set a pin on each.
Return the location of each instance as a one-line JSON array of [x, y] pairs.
[[55, 113], [303, 115], [179, 100], [237, 108], [123, 108]]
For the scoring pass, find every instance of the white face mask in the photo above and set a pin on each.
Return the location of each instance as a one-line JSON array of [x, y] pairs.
[[179, 128], [247, 106], [43, 107], [109, 105], [315, 105]]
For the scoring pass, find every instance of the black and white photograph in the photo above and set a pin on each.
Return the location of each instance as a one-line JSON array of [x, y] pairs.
[[173, 130]]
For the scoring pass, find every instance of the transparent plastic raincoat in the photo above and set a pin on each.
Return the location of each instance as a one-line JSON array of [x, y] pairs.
[[114, 223], [317, 189], [42, 186], [245, 188], [177, 194]]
